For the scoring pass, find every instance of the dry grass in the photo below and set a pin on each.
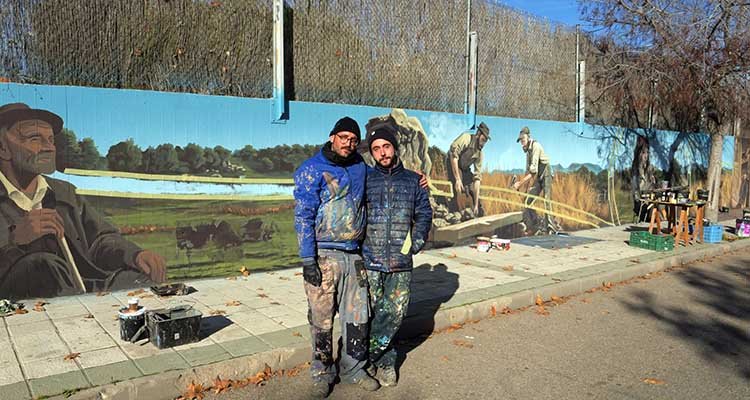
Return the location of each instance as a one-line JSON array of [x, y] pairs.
[[570, 189], [726, 188]]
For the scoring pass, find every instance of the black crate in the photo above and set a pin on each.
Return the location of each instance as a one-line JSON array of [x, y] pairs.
[[175, 326]]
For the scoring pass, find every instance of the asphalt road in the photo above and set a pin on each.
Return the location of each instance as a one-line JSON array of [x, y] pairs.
[[681, 334]]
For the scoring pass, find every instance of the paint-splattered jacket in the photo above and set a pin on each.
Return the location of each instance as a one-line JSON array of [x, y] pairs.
[[399, 218], [329, 208]]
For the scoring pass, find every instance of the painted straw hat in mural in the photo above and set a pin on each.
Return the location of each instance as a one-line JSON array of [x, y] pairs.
[[16, 112]]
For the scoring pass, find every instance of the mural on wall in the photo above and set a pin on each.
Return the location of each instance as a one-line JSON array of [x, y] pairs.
[[143, 187]]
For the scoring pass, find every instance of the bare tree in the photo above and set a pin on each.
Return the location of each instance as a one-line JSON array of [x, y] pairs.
[[696, 53]]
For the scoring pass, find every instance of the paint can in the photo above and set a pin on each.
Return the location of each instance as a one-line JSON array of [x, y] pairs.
[[500, 244], [132, 321], [483, 244]]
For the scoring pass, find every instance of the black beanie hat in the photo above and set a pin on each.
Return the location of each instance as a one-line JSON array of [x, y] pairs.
[[385, 134], [346, 124]]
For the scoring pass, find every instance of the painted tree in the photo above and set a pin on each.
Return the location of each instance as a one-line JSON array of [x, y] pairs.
[[696, 52], [124, 156]]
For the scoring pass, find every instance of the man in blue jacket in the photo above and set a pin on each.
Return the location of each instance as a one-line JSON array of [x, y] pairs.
[[329, 218], [399, 218]]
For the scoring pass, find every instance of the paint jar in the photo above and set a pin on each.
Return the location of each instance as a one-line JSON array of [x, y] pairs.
[[500, 244], [132, 319], [483, 244]]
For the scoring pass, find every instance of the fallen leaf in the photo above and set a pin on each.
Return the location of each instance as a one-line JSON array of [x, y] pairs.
[[506, 311], [231, 278], [452, 255], [508, 268], [557, 300], [462, 343], [275, 303], [194, 392], [39, 306], [262, 295], [493, 311], [444, 358], [489, 277], [654, 381], [296, 334], [607, 285], [592, 290], [525, 255], [453, 327], [101, 294], [244, 271], [146, 296], [71, 356], [298, 274], [283, 278], [233, 303], [584, 300], [89, 316], [20, 311], [136, 292], [636, 261], [541, 310], [221, 385], [583, 258], [539, 300], [217, 312]]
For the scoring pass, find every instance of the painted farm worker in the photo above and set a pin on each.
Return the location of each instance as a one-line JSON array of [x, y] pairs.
[[52, 240], [399, 217], [464, 166], [329, 218], [539, 173]]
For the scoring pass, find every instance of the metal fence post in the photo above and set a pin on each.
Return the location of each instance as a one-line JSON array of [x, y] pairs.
[[581, 94], [279, 112], [472, 81], [467, 56]]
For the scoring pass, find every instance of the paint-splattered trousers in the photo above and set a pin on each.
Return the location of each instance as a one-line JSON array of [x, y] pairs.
[[343, 290], [389, 299]]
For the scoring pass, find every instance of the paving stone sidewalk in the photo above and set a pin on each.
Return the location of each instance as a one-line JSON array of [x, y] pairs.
[[253, 315]]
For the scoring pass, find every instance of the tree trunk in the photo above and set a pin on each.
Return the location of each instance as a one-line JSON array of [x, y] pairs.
[[714, 176]]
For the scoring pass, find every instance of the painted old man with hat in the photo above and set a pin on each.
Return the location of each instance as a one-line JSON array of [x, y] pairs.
[[539, 174], [52, 242], [464, 167]]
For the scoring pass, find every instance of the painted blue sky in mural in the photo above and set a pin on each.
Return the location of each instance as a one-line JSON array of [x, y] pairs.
[[152, 118]]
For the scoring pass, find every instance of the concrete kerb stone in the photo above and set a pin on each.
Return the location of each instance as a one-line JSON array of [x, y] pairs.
[[171, 384]]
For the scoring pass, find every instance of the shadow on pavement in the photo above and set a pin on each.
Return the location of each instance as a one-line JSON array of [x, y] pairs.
[[432, 285], [716, 335]]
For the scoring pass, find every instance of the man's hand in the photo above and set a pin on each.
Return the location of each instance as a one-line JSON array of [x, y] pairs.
[[311, 272], [422, 180], [153, 265], [517, 185], [459, 186], [37, 223]]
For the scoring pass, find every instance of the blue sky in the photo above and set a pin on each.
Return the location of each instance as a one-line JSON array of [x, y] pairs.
[[562, 11]]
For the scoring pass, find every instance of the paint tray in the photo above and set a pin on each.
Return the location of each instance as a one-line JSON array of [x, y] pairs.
[[174, 326]]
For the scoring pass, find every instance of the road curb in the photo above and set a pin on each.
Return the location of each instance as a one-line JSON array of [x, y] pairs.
[[169, 385]]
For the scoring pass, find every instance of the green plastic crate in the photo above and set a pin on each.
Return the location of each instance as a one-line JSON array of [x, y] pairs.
[[646, 240]]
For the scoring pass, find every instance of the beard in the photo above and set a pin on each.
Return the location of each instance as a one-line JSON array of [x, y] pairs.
[[386, 162], [36, 164]]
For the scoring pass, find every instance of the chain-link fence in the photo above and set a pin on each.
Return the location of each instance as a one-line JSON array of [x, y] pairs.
[[392, 53], [386, 53], [180, 45], [526, 64]]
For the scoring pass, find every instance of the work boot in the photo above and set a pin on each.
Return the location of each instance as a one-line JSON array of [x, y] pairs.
[[320, 390], [387, 376], [365, 382]]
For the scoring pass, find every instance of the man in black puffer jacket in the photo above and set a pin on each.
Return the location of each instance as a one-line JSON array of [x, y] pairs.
[[399, 218]]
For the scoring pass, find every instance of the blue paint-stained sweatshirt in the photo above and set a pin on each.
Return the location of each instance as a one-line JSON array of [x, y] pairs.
[[329, 208]]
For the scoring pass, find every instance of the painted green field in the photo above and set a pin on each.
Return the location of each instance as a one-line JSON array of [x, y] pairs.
[[151, 224]]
